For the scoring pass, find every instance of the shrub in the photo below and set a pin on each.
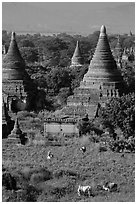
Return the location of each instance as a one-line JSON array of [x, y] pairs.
[[117, 146], [94, 138], [40, 175], [8, 181], [84, 126], [130, 144], [39, 142], [46, 197], [31, 134], [23, 114], [26, 173], [84, 140], [102, 149], [62, 172], [3, 168], [121, 145], [9, 196], [30, 194]]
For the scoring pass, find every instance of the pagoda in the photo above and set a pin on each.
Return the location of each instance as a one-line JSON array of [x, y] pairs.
[[17, 136], [17, 86], [100, 83], [118, 50], [16, 130], [77, 57]]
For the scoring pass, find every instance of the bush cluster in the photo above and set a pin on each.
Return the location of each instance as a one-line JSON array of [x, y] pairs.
[[28, 185], [122, 145]]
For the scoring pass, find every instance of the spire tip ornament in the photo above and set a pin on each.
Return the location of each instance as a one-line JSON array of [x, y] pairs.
[[103, 29]]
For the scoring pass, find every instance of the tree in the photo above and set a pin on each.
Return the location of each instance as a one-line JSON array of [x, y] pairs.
[[58, 78], [94, 38], [77, 74], [120, 112], [63, 95], [128, 73], [29, 54], [129, 41], [26, 43], [84, 126]]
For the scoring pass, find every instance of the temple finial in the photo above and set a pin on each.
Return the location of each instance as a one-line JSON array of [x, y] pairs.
[[118, 38], [103, 29], [13, 36]]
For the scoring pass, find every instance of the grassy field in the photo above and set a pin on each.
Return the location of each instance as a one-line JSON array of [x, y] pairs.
[[69, 168]]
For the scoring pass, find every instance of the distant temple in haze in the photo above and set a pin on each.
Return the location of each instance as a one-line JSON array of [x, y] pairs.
[[123, 55], [77, 59], [118, 51], [102, 81], [17, 88]]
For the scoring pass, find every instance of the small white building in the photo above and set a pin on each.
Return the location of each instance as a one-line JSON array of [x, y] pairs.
[[64, 126]]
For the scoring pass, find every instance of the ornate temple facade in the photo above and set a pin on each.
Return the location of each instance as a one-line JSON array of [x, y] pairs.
[[100, 83], [17, 87], [77, 59]]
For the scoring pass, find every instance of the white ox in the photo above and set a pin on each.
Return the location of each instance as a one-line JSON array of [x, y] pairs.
[[83, 149], [49, 155], [110, 186], [84, 190]]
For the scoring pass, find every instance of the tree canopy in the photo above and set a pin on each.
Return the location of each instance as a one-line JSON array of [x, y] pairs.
[[120, 112]]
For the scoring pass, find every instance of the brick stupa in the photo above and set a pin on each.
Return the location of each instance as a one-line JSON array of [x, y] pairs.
[[100, 83], [77, 59], [16, 134], [16, 83]]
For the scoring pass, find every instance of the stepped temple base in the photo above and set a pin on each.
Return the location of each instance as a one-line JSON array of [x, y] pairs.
[[12, 138], [85, 100]]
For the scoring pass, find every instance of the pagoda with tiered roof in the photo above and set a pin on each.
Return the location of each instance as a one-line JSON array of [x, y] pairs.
[[100, 83], [17, 86], [77, 59], [118, 50]]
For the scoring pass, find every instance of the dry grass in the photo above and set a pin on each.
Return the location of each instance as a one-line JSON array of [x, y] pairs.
[[70, 168]]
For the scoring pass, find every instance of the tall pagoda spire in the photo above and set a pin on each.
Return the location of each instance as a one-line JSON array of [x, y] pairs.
[[118, 50], [13, 63], [102, 68], [16, 83], [102, 82], [118, 45], [77, 57]]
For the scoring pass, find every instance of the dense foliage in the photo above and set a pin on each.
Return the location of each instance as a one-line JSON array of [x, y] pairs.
[[128, 73], [120, 112]]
